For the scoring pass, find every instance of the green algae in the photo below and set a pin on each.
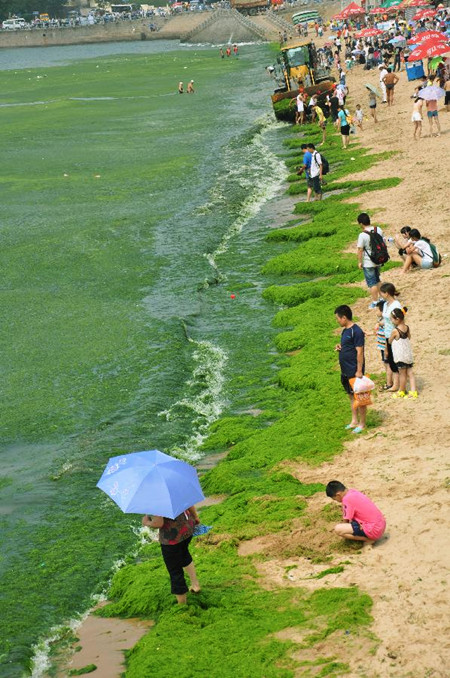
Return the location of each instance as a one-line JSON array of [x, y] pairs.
[[297, 414]]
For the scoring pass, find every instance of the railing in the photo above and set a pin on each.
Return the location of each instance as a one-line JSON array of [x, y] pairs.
[[216, 15]]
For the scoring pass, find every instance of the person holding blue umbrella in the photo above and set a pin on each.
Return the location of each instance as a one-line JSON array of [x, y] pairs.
[[174, 538], [167, 488]]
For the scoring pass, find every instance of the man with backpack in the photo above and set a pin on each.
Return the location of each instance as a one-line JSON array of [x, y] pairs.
[[318, 167], [315, 174], [372, 253]]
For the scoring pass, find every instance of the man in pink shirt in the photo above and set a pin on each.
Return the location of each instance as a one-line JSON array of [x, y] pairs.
[[363, 521]]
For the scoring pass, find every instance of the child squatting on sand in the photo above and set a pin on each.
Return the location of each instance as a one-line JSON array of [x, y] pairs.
[[363, 521]]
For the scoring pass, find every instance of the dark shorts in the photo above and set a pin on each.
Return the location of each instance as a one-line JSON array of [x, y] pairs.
[[357, 530], [345, 130], [374, 106], [383, 355], [390, 358], [404, 366], [346, 384], [177, 556], [447, 98], [371, 275], [432, 114], [314, 183]]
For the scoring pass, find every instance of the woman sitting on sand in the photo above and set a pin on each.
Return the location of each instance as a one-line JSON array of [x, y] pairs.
[[417, 252]]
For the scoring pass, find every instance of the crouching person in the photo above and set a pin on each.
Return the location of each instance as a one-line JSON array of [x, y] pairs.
[[363, 521]]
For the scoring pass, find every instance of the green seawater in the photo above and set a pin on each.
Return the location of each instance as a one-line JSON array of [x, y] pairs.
[[130, 214]]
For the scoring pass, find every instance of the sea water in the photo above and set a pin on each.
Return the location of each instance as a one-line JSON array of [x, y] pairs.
[[133, 239]]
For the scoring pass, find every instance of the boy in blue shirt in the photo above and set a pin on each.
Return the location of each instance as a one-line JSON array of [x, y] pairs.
[[351, 361]]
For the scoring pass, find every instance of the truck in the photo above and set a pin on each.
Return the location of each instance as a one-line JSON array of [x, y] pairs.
[[299, 67], [250, 7]]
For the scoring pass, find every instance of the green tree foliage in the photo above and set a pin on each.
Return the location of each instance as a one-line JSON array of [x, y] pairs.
[[25, 8]]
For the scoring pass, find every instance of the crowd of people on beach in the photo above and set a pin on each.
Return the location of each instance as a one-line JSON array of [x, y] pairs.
[[362, 519]]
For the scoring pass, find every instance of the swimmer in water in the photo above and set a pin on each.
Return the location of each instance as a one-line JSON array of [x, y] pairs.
[[180, 88], [190, 87]]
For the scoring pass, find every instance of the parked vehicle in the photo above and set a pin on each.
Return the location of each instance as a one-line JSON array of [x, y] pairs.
[[13, 24], [298, 65]]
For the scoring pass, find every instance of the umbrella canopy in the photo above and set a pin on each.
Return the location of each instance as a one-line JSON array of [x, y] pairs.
[[368, 33], [373, 89], [432, 93], [424, 14], [376, 10], [416, 3], [398, 39], [151, 482], [427, 35], [434, 63], [391, 3], [429, 49], [351, 10]]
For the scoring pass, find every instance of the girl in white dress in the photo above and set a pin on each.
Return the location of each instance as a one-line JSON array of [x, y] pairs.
[[400, 341]]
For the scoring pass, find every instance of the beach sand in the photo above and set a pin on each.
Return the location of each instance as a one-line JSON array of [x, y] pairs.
[[403, 465]]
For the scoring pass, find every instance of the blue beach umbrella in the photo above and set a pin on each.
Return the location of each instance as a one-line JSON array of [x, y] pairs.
[[151, 482]]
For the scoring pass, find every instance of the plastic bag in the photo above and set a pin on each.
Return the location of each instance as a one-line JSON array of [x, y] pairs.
[[360, 385], [362, 399]]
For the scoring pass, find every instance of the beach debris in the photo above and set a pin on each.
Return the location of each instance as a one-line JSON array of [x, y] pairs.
[[232, 296], [65, 174], [97, 176]]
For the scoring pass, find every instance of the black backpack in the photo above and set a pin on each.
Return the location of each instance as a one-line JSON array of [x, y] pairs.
[[325, 164], [378, 249]]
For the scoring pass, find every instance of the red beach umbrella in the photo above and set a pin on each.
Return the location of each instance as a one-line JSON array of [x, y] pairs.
[[428, 35], [352, 10], [428, 49], [424, 14], [368, 33], [417, 3], [377, 10]]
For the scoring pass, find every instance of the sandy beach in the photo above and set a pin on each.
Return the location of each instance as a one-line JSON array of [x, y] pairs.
[[404, 464]]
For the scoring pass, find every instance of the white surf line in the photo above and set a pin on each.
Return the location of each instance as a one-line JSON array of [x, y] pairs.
[[208, 405], [261, 190]]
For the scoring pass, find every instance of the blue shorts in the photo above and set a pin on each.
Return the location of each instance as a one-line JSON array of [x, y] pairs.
[[426, 262], [372, 275], [432, 114], [357, 530]]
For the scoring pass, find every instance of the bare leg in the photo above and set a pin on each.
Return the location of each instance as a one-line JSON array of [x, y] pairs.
[[181, 598], [192, 574], [389, 375], [308, 195], [402, 379], [438, 126], [345, 530], [362, 416], [354, 421], [412, 379], [375, 292]]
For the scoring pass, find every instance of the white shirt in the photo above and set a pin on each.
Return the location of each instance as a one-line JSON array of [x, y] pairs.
[[300, 104], [316, 162], [383, 72], [424, 248], [364, 245]]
